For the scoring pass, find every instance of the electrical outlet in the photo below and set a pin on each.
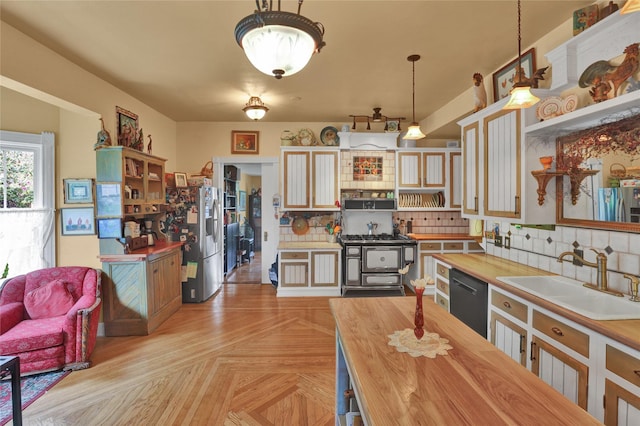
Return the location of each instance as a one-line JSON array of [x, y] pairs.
[[507, 242], [577, 261], [498, 241]]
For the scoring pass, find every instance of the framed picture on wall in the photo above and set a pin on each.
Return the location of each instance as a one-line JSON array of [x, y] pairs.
[[244, 142], [77, 221], [505, 77], [78, 191], [127, 126], [242, 201]]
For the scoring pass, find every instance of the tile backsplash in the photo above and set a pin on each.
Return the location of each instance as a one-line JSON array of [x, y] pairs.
[[432, 222], [540, 248]]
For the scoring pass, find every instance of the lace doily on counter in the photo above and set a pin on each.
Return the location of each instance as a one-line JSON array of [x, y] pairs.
[[430, 345]]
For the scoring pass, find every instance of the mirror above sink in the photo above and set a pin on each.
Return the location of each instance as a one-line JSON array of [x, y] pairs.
[[595, 163], [572, 295]]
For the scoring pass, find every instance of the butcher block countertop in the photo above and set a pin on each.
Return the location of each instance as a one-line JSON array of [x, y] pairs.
[[487, 268], [145, 253], [474, 384], [307, 245], [440, 237]]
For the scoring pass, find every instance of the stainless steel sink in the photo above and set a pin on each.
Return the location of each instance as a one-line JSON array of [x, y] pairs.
[[571, 295]]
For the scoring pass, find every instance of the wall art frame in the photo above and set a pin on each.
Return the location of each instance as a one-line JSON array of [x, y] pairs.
[[127, 126], [181, 179], [245, 142], [78, 191], [503, 79], [77, 221], [242, 200]]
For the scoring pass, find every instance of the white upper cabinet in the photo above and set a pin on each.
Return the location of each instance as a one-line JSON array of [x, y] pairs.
[[310, 179]]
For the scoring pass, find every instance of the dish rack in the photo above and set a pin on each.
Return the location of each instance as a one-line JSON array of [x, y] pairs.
[[421, 200]]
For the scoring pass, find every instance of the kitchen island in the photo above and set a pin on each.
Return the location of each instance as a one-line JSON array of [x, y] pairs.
[[475, 383]]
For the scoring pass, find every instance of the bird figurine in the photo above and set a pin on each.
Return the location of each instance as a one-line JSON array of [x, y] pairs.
[[479, 93], [149, 145], [606, 80], [521, 76], [104, 138]]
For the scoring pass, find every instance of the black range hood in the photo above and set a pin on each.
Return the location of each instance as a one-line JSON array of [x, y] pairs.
[[388, 204]]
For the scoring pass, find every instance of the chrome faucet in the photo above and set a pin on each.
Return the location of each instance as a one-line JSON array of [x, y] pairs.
[[601, 267]]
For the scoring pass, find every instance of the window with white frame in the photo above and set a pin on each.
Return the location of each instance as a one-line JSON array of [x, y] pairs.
[[27, 198]]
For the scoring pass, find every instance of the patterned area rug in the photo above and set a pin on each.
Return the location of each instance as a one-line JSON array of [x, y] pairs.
[[32, 388]]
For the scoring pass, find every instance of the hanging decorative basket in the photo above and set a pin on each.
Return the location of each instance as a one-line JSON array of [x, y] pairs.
[[207, 170], [617, 170]]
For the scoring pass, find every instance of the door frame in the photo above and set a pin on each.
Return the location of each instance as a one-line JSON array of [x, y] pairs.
[[270, 188]]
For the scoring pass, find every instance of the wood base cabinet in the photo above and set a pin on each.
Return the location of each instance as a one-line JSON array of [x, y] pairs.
[[622, 396], [141, 294], [309, 272]]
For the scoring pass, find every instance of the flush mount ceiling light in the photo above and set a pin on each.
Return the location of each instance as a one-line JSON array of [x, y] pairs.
[[630, 6], [255, 108], [377, 117], [414, 132], [521, 96], [279, 43]]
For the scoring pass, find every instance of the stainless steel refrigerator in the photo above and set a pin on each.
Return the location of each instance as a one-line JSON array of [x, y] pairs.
[[619, 204], [196, 222]]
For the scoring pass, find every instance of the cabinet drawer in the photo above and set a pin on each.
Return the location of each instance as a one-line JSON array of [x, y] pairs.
[[443, 271], [442, 301], [624, 365], [567, 335], [454, 246], [507, 304], [430, 246], [294, 255], [442, 286], [474, 246]]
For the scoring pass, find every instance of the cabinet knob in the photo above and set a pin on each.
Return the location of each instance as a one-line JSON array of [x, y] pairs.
[[557, 331], [507, 305]]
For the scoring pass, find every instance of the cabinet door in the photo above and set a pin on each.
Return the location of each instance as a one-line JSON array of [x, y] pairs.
[[622, 408], [294, 274], [409, 169], [509, 337], [296, 180], [433, 170], [559, 370], [325, 180], [470, 169], [455, 180], [164, 281], [325, 269], [502, 167]]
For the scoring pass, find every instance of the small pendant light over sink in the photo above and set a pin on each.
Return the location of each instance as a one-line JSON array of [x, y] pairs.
[[521, 96], [414, 132], [255, 108], [279, 43]]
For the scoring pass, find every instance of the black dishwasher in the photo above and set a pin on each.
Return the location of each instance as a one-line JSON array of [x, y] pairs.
[[468, 299]]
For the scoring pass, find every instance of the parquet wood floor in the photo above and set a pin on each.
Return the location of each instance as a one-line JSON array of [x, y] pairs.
[[245, 357]]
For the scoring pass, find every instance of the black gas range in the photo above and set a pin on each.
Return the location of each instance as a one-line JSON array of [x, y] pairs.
[[376, 239], [372, 263]]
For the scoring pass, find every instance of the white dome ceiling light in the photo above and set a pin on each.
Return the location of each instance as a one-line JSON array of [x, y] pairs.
[[279, 43]]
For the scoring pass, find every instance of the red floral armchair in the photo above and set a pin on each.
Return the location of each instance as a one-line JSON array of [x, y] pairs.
[[49, 318]]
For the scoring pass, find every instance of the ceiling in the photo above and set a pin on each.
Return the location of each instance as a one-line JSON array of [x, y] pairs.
[[181, 57]]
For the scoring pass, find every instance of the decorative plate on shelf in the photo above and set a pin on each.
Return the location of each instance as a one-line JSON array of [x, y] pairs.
[[569, 104], [392, 125], [300, 225], [306, 137], [329, 136], [549, 108]]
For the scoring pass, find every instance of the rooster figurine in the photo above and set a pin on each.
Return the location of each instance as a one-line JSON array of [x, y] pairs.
[[606, 79], [479, 94]]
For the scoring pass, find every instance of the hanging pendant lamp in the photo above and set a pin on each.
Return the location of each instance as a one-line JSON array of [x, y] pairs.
[[414, 132], [255, 108], [521, 96], [279, 43]]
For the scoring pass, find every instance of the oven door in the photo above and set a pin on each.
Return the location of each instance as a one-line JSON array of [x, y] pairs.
[[381, 280], [381, 259], [351, 265]]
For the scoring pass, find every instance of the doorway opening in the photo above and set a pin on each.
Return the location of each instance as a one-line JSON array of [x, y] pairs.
[[246, 211]]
